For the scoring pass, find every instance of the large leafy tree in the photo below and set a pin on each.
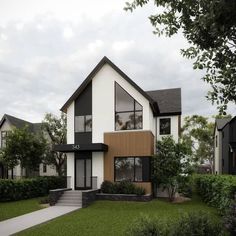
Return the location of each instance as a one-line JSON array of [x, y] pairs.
[[55, 127], [24, 148], [197, 132], [170, 165], [210, 28]]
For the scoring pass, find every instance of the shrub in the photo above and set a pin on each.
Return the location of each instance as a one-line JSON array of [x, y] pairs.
[[122, 187], [230, 219], [216, 190], [196, 223], [12, 190], [146, 226], [191, 224]]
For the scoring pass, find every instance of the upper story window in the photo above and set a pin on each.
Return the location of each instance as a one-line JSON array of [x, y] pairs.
[[128, 112], [83, 124], [165, 124], [3, 138]]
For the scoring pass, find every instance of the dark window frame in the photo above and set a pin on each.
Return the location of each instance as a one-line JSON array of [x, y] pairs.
[[84, 125], [134, 111], [44, 168], [160, 130], [134, 157], [3, 139]]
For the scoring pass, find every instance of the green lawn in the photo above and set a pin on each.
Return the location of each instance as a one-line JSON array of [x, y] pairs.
[[13, 209], [112, 218]]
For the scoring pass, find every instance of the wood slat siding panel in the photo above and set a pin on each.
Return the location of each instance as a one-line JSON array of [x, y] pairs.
[[137, 143]]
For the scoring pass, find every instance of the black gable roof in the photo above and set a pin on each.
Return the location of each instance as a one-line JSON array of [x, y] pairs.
[[168, 100], [221, 123], [19, 123], [89, 78]]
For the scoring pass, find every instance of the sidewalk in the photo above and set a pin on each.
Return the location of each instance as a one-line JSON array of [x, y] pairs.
[[19, 223]]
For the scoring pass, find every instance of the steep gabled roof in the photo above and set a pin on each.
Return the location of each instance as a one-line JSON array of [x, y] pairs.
[[168, 100], [89, 78], [221, 123], [19, 123]]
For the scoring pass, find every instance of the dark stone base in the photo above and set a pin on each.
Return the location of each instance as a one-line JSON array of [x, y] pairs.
[[55, 194], [88, 196], [124, 197]]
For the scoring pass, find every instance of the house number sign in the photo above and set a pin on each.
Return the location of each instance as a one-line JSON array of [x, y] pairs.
[[75, 147]]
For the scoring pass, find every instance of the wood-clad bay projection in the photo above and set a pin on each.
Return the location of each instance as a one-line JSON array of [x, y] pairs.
[[127, 144]]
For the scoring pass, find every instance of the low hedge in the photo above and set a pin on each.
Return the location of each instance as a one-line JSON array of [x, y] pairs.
[[216, 190], [12, 190], [122, 187], [190, 224]]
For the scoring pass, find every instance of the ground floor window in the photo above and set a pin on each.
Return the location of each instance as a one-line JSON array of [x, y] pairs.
[[135, 169]]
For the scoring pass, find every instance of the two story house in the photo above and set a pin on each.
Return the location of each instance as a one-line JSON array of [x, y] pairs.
[[7, 123], [113, 126], [225, 146]]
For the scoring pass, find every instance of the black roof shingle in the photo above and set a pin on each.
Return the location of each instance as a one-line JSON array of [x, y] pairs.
[[168, 100]]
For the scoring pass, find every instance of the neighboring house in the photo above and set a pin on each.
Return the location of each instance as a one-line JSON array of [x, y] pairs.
[[7, 123], [225, 146], [112, 128]]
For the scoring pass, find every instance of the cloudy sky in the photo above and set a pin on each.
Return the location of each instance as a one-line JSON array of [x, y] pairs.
[[48, 47]]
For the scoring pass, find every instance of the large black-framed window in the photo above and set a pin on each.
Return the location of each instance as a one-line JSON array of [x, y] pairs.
[[128, 112], [83, 124], [165, 126], [3, 138], [135, 169]]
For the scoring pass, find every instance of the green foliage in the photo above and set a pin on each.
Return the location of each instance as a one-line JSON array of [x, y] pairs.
[[216, 190], [191, 224], [170, 165], [12, 190], [146, 226], [230, 219], [122, 187], [197, 223], [24, 148], [210, 29], [197, 133], [56, 129]]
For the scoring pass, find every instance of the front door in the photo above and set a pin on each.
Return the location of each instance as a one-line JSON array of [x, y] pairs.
[[83, 173]]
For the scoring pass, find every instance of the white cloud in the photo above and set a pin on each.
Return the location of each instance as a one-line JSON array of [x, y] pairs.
[[122, 45], [68, 33], [46, 59]]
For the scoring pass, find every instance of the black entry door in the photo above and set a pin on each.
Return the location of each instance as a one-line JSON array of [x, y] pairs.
[[83, 173]]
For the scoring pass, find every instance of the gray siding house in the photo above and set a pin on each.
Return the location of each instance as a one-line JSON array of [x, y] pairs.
[[7, 123], [225, 146]]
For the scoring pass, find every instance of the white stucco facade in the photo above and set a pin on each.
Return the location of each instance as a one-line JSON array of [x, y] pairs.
[[103, 118], [217, 152], [103, 102], [70, 140]]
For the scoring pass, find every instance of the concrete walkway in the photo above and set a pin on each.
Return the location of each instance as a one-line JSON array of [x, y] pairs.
[[19, 223]]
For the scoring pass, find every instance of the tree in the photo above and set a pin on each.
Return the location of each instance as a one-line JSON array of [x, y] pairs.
[[170, 165], [56, 129], [197, 132], [210, 28], [24, 148]]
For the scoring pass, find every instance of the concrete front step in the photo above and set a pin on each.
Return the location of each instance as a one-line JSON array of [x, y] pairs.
[[70, 198], [69, 204], [66, 201]]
